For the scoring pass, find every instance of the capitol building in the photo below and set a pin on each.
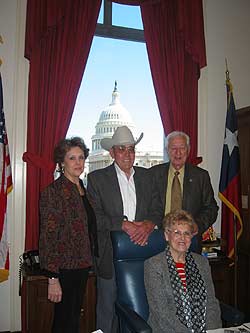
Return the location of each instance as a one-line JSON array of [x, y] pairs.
[[113, 116]]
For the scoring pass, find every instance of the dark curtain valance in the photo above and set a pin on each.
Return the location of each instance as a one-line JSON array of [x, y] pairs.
[[135, 2]]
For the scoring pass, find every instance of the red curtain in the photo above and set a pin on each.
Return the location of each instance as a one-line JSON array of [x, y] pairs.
[[175, 42], [58, 39], [174, 34]]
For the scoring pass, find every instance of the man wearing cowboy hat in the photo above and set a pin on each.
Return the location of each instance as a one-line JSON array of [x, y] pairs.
[[123, 200]]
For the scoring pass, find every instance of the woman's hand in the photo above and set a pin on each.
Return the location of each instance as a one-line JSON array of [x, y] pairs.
[[54, 291]]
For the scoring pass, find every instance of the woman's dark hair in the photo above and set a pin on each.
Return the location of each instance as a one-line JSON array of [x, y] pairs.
[[64, 146]]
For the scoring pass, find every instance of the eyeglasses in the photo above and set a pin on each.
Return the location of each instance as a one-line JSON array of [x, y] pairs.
[[179, 234], [123, 149], [178, 149]]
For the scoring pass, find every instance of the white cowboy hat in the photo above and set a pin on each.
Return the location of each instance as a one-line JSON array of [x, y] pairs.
[[122, 136]]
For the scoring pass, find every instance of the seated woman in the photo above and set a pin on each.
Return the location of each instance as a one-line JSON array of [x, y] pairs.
[[179, 284]]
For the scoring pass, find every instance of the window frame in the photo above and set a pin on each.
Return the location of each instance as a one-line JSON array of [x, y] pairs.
[[108, 30]]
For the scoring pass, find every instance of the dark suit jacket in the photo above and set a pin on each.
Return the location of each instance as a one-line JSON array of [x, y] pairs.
[[198, 194], [104, 190]]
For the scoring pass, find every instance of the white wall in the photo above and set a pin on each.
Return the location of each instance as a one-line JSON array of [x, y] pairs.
[[227, 31]]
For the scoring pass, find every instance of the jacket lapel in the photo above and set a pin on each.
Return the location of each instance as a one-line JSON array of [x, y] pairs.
[[164, 183], [139, 192], [113, 190], [186, 185]]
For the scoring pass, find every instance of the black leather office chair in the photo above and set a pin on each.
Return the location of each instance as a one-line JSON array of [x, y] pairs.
[[132, 306]]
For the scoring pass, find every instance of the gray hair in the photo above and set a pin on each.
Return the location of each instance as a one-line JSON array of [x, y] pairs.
[[174, 134], [179, 217]]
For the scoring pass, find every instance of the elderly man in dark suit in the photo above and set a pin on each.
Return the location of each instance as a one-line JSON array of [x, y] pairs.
[[123, 200], [196, 193]]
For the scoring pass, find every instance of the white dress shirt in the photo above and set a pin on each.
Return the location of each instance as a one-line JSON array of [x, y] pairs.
[[128, 193]]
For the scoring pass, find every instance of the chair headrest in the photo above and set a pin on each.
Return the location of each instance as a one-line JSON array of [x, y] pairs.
[[124, 249]]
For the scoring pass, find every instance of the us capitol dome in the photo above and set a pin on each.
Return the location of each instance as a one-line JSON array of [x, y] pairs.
[[113, 116]]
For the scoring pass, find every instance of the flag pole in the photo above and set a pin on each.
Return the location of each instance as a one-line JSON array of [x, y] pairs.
[[235, 263], [234, 228]]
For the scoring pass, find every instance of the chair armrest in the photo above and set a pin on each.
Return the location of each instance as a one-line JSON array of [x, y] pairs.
[[230, 315], [131, 319]]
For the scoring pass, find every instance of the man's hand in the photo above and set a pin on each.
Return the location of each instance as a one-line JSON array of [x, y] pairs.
[[138, 231]]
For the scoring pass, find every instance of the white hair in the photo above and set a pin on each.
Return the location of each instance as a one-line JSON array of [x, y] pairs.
[[174, 134]]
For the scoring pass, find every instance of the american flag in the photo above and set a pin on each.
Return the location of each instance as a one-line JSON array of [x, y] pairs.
[[5, 187]]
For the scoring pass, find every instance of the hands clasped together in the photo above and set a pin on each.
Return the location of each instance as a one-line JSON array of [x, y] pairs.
[[138, 231]]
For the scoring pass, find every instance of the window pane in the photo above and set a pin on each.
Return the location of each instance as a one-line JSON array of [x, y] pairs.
[[100, 17], [126, 16]]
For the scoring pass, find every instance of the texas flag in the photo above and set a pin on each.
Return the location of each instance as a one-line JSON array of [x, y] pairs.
[[229, 188]]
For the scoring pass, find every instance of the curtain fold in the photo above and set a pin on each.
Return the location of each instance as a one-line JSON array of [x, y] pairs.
[[58, 40]]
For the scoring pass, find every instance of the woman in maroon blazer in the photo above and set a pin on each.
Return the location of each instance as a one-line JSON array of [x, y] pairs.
[[68, 235]]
